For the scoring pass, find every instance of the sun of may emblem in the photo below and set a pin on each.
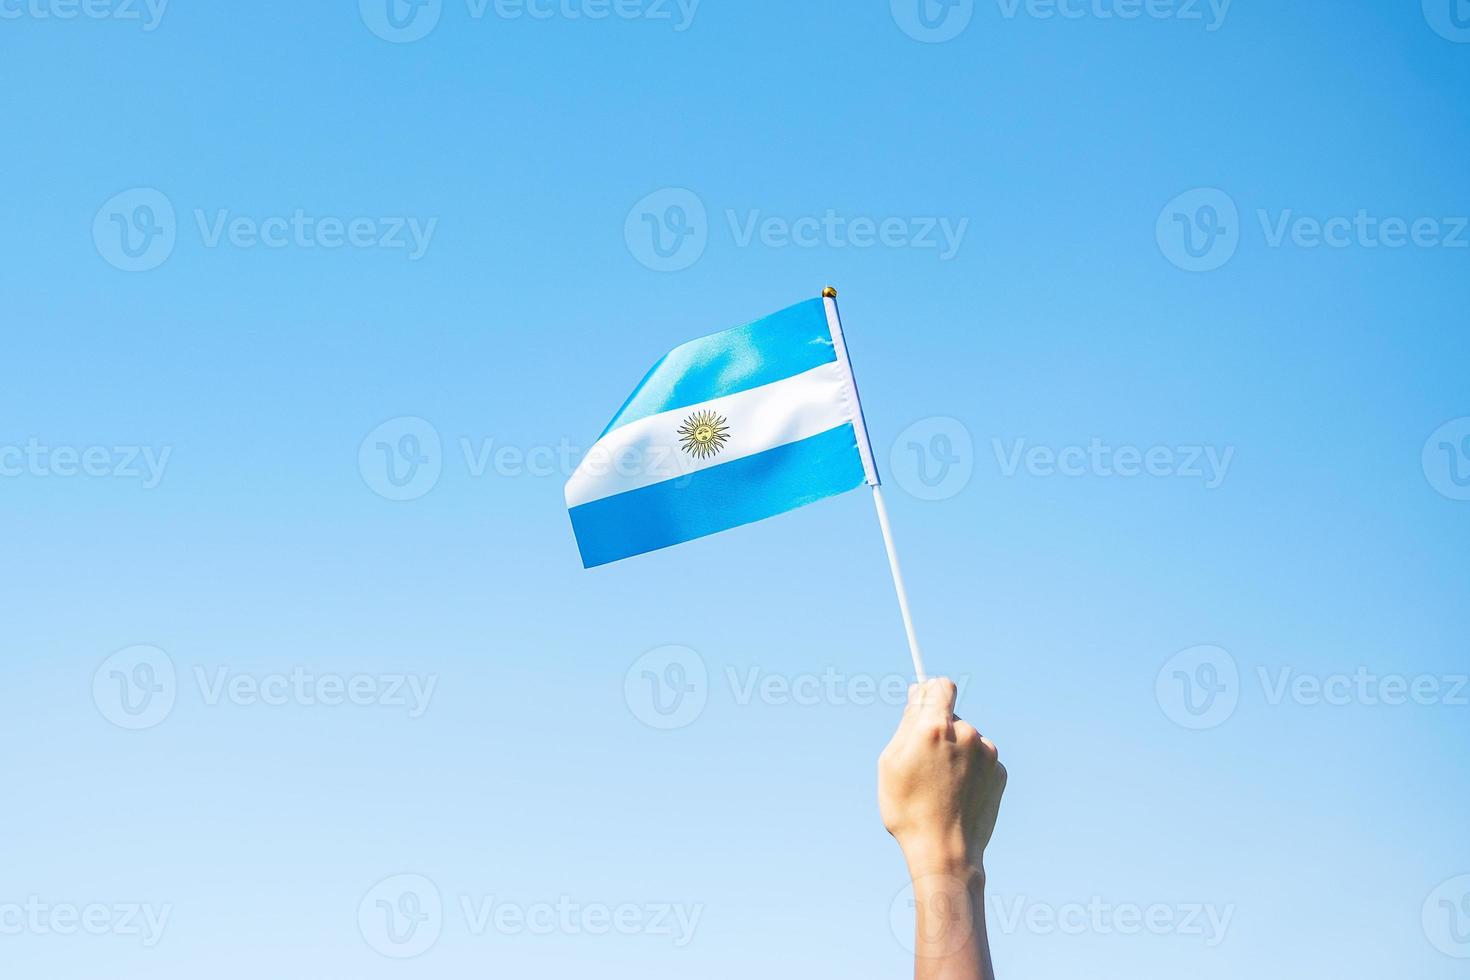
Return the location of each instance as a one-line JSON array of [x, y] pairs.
[[703, 434]]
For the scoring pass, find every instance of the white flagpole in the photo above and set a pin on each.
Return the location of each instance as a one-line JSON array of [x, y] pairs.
[[903, 596], [865, 450]]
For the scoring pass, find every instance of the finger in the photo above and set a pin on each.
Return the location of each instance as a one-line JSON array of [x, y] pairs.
[[938, 697], [965, 733], [915, 701], [936, 708], [922, 697], [958, 718]]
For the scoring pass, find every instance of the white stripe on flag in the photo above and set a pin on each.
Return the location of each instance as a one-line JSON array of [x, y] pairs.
[[648, 451]]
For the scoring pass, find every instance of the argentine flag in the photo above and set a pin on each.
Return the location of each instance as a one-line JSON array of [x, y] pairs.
[[725, 430]]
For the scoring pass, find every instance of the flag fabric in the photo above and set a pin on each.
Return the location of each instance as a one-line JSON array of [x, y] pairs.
[[725, 430]]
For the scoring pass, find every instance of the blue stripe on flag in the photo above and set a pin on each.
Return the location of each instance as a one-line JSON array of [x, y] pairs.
[[718, 498], [772, 348]]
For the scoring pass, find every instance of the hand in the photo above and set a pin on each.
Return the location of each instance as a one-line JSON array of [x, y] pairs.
[[939, 785], [939, 789]]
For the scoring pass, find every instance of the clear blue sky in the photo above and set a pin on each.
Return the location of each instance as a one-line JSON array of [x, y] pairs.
[[1170, 232]]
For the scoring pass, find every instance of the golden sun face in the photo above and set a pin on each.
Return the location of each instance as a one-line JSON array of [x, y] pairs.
[[703, 434]]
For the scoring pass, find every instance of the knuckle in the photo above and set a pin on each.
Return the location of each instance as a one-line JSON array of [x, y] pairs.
[[932, 731]]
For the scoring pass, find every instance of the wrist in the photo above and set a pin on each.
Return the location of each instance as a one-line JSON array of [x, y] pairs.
[[949, 914], [949, 858]]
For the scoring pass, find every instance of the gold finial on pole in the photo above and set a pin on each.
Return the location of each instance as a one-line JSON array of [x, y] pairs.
[[830, 292]]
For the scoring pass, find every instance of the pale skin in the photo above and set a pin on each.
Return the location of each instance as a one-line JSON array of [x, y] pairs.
[[939, 788]]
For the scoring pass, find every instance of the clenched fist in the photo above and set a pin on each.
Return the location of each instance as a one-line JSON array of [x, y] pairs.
[[939, 783], [939, 789]]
